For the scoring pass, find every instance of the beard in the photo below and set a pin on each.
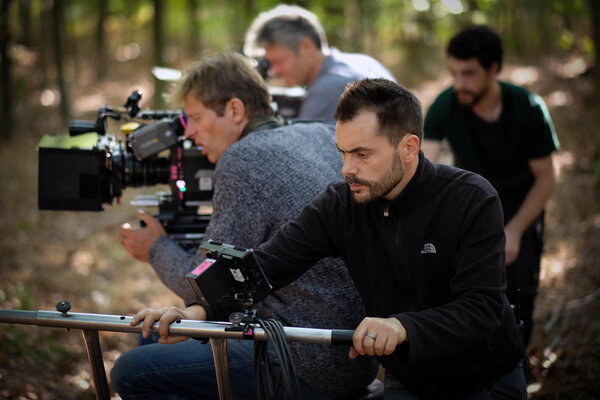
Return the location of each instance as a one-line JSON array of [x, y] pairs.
[[467, 98], [381, 187]]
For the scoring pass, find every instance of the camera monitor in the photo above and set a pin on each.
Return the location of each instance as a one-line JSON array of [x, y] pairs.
[[228, 273]]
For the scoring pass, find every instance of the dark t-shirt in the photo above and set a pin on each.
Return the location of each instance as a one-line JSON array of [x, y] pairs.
[[499, 151]]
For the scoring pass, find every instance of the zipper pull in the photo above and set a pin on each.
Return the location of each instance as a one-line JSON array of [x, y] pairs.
[[386, 212]]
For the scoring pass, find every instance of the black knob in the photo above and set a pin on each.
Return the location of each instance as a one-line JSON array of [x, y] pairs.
[[236, 318], [63, 306]]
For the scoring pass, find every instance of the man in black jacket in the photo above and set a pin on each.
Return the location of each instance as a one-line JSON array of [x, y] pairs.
[[424, 245]]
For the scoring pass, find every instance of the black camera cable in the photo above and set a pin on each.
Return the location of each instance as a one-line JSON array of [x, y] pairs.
[[266, 381]]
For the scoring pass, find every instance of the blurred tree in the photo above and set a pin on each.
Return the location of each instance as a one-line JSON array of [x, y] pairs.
[[44, 39], [195, 33], [6, 103], [595, 17], [159, 46], [101, 38], [25, 22], [58, 22]]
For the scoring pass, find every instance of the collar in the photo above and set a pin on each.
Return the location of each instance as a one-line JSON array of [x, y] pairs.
[[413, 191], [261, 123], [328, 62]]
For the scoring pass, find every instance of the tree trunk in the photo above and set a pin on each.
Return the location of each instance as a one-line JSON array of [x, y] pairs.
[[195, 38], [44, 40], [158, 21], [59, 22], [100, 39], [6, 104], [25, 22], [595, 17]]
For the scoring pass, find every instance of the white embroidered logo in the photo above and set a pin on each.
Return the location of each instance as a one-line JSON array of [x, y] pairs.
[[428, 248]]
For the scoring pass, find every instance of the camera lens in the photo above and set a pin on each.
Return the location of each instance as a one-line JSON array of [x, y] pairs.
[[148, 172]]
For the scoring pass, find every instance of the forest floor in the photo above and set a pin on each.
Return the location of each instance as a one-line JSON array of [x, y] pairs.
[[48, 256]]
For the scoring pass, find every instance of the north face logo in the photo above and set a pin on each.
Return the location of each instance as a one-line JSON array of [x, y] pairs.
[[428, 248]]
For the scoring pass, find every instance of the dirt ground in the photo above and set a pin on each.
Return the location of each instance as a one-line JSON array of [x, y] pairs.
[[48, 256]]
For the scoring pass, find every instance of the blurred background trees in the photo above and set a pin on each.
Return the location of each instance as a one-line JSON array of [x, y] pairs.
[[64, 40]]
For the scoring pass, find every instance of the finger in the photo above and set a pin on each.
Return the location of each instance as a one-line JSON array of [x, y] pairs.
[[390, 346], [138, 317], [147, 218], [352, 354], [386, 344], [369, 344], [173, 314], [149, 321], [358, 337]]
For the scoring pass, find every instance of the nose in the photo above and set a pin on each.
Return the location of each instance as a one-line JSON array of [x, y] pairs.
[[275, 69], [348, 167], [189, 131], [459, 82]]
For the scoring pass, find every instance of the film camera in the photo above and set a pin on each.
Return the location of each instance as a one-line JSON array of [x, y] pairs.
[[89, 168]]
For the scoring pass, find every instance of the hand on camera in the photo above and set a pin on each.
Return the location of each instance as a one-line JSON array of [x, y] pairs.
[[377, 337], [137, 242]]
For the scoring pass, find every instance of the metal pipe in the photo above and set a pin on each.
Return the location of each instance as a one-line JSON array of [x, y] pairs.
[[221, 361], [202, 329], [92, 343]]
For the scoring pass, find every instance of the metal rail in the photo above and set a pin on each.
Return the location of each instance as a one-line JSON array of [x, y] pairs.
[[216, 332]]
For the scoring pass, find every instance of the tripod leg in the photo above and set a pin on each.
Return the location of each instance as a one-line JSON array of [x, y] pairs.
[[219, 350]]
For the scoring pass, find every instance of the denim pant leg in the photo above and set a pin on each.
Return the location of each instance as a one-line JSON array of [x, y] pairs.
[[186, 371], [181, 371]]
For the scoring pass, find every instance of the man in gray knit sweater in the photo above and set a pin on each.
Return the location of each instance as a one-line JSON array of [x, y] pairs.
[[265, 173]]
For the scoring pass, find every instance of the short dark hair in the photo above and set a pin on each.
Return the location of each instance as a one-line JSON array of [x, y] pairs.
[[216, 80], [480, 42], [398, 110]]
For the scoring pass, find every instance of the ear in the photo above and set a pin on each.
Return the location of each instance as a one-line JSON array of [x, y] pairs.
[[409, 147], [494, 69], [235, 110], [307, 44]]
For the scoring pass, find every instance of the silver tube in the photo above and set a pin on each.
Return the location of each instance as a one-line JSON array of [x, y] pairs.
[[121, 323], [92, 344], [18, 317], [219, 351]]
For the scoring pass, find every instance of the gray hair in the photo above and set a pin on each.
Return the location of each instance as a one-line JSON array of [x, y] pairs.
[[284, 25]]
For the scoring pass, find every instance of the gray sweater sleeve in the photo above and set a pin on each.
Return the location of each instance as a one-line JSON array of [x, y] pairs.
[[237, 208]]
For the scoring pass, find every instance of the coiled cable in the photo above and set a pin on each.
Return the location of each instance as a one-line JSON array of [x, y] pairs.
[[266, 382]]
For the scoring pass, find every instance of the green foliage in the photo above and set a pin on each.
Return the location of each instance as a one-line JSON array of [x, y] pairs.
[[24, 341]]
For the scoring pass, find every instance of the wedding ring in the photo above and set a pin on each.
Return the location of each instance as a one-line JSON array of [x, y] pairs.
[[370, 335]]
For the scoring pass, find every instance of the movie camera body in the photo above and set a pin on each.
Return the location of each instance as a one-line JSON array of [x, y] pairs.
[[89, 168]]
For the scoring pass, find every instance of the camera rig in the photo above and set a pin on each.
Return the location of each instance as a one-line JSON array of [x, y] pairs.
[[89, 168]]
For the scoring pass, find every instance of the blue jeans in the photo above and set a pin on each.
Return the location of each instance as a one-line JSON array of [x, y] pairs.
[[186, 371], [510, 386]]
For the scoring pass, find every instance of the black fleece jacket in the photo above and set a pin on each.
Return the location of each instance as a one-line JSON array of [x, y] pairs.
[[433, 257]]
